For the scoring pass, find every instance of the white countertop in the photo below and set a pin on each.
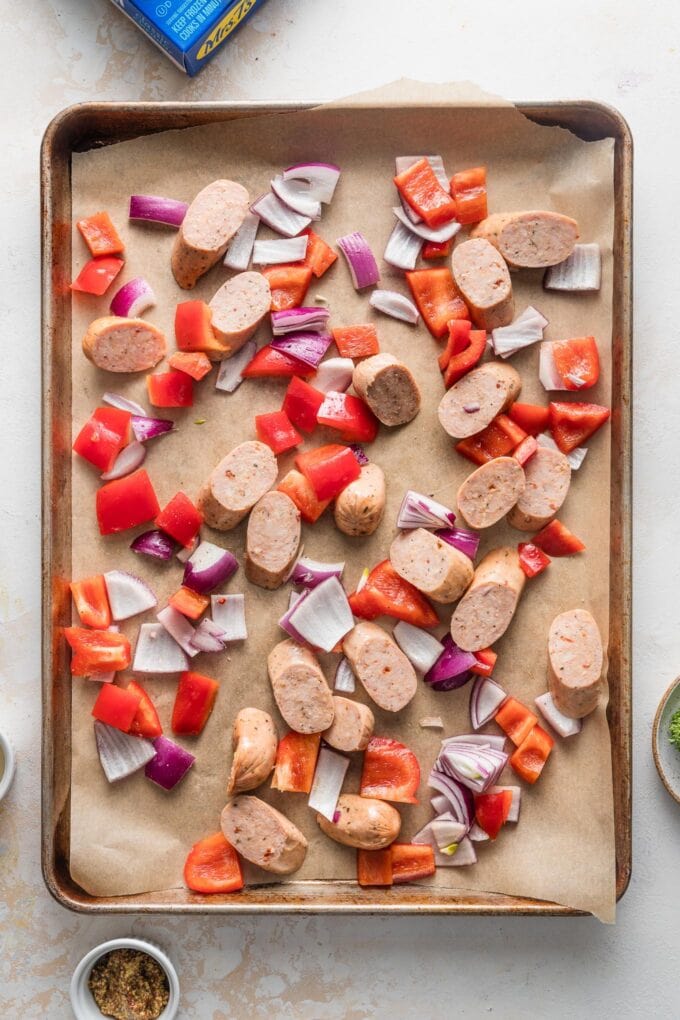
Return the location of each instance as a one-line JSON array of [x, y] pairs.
[[58, 53]]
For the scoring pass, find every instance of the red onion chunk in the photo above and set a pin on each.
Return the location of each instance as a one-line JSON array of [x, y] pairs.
[[329, 776], [398, 306], [308, 573], [209, 637], [179, 628], [460, 538], [580, 271], [345, 681], [241, 245], [128, 595], [562, 724], [471, 764], [359, 453], [285, 249], [120, 754], [547, 369], [403, 248], [156, 544], [457, 796], [149, 428], [575, 457], [419, 511], [513, 813], [360, 260], [229, 613], [335, 374], [157, 209], [463, 856], [278, 216], [124, 404], [127, 461], [451, 668], [230, 377], [437, 234], [476, 833], [292, 320], [306, 347], [133, 299], [295, 194], [321, 178], [441, 832], [186, 551], [439, 803], [486, 697], [170, 763], [496, 740], [419, 646], [527, 329], [158, 652], [284, 622], [209, 567], [324, 616]]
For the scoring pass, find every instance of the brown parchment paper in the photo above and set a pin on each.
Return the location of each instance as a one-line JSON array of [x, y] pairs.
[[133, 837]]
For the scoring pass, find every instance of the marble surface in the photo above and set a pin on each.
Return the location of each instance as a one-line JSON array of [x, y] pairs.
[[70, 51]]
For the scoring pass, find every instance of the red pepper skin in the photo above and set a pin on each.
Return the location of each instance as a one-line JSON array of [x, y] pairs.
[[276, 430], [296, 486], [462, 362], [356, 341], [116, 707], [531, 417], [100, 235], [296, 756], [515, 719], [557, 540], [374, 867], [97, 651], [486, 661], [530, 757], [498, 439], [180, 519], [189, 603], [170, 389], [468, 188], [289, 285], [411, 861], [97, 275], [525, 451], [350, 416], [390, 771], [459, 339], [193, 329], [301, 403], [126, 502], [438, 301], [146, 722], [577, 361], [491, 811], [572, 424], [196, 364], [328, 469], [436, 250], [319, 256], [213, 866], [532, 560], [270, 363], [194, 702], [387, 594], [419, 186], [103, 436], [92, 601]]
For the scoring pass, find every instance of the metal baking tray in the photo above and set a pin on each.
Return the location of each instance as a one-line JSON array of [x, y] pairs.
[[91, 125]]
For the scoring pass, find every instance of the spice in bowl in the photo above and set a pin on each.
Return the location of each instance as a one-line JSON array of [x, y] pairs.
[[128, 984]]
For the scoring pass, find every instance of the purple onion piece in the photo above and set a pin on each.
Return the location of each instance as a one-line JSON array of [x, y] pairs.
[[170, 764], [154, 543]]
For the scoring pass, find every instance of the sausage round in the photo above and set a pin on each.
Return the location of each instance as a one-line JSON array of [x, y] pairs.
[[436, 568], [352, 726], [364, 822], [490, 492], [300, 689], [360, 506], [116, 344], [386, 674], [548, 476], [486, 610], [254, 742], [484, 283], [211, 221], [388, 387], [236, 484], [485, 392], [272, 539], [263, 835], [238, 308], [575, 663], [530, 239]]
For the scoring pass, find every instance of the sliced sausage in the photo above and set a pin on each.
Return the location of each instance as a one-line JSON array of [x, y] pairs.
[[386, 674], [360, 506], [436, 568], [575, 663], [272, 539], [300, 689], [484, 283], [123, 345], [365, 823], [263, 835], [254, 742], [388, 387], [352, 726], [211, 221], [238, 308], [475, 400], [530, 239], [486, 610], [548, 476], [236, 484], [490, 492]]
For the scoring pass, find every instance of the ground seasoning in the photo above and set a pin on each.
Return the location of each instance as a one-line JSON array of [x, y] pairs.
[[128, 984]]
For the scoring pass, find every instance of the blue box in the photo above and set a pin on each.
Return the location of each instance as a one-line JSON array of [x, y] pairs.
[[190, 32]]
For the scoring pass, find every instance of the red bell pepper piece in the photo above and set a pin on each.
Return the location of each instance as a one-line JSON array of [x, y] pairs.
[[468, 189], [411, 861], [126, 502], [97, 651], [212, 866], [193, 328], [462, 362], [437, 299], [498, 439], [180, 519], [100, 235], [572, 424], [301, 403], [146, 722], [532, 754], [374, 867], [116, 707], [532, 560], [557, 540], [516, 719], [296, 486], [91, 601], [525, 451], [387, 594], [328, 469], [103, 436], [577, 361], [275, 429], [268, 362], [296, 757], [189, 603], [531, 417], [486, 660], [491, 811], [418, 184], [196, 364], [319, 256], [97, 275], [390, 772], [170, 389], [356, 341], [194, 702], [289, 285], [436, 250], [459, 339], [350, 416]]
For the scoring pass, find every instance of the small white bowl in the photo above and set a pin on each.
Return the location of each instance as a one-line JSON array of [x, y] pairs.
[[666, 755], [84, 1006], [7, 775]]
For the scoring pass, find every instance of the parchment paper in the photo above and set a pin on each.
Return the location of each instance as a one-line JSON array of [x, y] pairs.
[[133, 837]]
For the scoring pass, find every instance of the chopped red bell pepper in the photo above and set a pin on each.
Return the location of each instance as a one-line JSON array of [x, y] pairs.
[[492, 810], [436, 250], [411, 861], [193, 329], [126, 502], [116, 707], [464, 361], [557, 540], [387, 594], [194, 702], [516, 719], [170, 389], [92, 601], [374, 867], [97, 651], [572, 424], [296, 486], [486, 660], [577, 361], [418, 184], [498, 439], [189, 603], [196, 364], [301, 403], [146, 722], [103, 436], [459, 339], [180, 519], [356, 341], [525, 451], [100, 235], [437, 299], [269, 362], [213, 866], [289, 285], [328, 469], [532, 560], [390, 771], [296, 757], [275, 429], [97, 275], [468, 189], [531, 417], [319, 256], [350, 416], [532, 754]]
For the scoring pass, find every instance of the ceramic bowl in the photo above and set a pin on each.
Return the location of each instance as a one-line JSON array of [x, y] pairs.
[[7, 775], [84, 1006], [666, 755]]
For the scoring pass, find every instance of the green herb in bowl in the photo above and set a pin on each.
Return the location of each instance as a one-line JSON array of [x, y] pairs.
[[674, 729]]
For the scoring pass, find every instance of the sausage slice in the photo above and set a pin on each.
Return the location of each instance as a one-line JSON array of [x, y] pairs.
[[116, 344], [236, 484], [211, 221], [548, 477], [253, 738], [238, 308], [530, 239], [486, 610], [360, 506], [300, 689], [484, 283], [263, 835], [436, 568], [388, 387], [490, 492], [575, 663], [386, 674], [272, 539], [364, 822], [475, 400], [352, 725]]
